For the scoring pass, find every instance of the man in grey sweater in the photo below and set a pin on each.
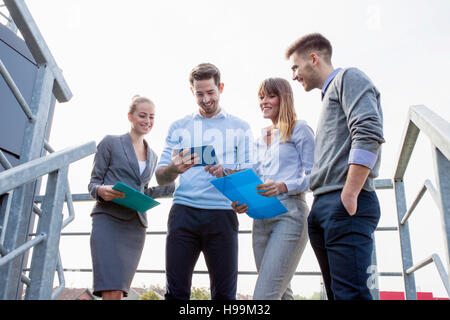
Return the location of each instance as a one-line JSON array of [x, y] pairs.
[[345, 211]]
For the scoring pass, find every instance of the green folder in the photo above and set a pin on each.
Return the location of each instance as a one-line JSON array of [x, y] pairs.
[[133, 198]]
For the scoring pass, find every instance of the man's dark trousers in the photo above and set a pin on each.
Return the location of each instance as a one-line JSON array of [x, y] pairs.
[[343, 244], [213, 232]]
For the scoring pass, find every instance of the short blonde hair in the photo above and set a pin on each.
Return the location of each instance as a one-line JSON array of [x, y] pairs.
[[136, 100]]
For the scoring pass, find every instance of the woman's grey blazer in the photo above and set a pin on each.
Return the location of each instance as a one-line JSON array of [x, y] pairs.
[[115, 161]]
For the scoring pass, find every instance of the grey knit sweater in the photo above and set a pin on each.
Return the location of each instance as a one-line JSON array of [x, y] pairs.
[[351, 119]]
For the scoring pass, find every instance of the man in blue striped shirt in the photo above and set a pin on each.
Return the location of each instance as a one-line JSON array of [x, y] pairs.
[[345, 211], [201, 218]]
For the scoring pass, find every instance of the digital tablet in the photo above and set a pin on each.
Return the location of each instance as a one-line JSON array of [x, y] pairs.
[[206, 153]]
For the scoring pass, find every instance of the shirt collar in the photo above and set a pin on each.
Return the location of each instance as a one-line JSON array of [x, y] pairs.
[[221, 115], [329, 79], [264, 130]]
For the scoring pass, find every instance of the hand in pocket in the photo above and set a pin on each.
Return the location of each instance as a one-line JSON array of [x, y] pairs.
[[350, 202]]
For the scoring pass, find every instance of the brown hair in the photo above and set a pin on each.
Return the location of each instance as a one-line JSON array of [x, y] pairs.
[[136, 100], [205, 71], [287, 116], [311, 42]]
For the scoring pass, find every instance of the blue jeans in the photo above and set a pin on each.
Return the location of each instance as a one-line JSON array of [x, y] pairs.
[[213, 232], [278, 244], [343, 244]]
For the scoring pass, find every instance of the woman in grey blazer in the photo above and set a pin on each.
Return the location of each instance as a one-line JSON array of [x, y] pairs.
[[118, 233]]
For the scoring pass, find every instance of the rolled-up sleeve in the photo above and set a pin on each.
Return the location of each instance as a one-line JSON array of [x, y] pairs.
[[360, 103], [362, 157]]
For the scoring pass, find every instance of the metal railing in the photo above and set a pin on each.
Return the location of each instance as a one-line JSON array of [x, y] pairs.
[[20, 183], [16, 181], [380, 184], [421, 119], [46, 240], [9, 22]]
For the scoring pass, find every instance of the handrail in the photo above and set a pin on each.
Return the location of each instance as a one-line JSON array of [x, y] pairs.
[[245, 273], [9, 21], [32, 170], [4, 15], [14, 177], [427, 185], [23, 277], [162, 233], [4, 161], [20, 250], [61, 279], [15, 90], [381, 184], [68, 195], [84, 197], [439, 266], [420, 118]]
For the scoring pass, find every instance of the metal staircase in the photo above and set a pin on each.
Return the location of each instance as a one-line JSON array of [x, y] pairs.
[[19, 184]]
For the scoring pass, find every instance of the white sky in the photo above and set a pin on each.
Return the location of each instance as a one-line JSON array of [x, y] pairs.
[[112, 50]]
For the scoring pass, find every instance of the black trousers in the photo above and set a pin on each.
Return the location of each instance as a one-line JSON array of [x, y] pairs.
[[213, 232], [343, 244]]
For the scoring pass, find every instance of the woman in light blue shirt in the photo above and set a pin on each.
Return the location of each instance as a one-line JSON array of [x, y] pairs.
[[284, 158]]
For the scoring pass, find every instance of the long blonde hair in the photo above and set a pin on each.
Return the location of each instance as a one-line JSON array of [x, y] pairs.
[[286, 114]]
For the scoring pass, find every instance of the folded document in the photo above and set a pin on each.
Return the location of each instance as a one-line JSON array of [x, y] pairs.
[[133, 198], [241, 186]]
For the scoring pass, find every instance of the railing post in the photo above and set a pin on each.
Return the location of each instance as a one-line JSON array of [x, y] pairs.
[[373, 281], [442, 172], [45, 254], [21, 203], [405, 241]]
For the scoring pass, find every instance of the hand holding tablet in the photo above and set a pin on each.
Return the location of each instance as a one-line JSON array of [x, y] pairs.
[[205, 155], [184, 159]]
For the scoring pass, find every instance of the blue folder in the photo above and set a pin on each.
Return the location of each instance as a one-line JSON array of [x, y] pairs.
[[241, 186], [133, 198]]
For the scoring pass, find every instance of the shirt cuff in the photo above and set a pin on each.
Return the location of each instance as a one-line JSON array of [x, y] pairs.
[[291, 187], [297, 186], [97, 197], [362, 157]]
